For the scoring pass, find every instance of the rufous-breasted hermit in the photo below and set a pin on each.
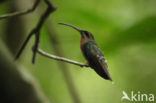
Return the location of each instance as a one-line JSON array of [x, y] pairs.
[[92, 53]]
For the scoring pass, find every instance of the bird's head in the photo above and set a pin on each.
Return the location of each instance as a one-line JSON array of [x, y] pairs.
[[84, 34]]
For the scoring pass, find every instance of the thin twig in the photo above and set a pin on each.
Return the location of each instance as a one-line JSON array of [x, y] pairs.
[[36, 31], [50, 9], [61, 59], [24, 44], [22, 12]]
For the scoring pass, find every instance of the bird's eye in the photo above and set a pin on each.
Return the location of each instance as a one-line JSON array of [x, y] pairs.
[[87, 34]]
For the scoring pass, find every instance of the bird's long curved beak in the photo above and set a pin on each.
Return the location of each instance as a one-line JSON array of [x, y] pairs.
[[74, 27]]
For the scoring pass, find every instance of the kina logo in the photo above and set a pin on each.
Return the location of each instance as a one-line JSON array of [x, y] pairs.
[[138, 96]]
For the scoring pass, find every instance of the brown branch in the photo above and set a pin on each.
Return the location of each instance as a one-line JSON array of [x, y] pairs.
[[36, 31], [22, 12], [61, 59]]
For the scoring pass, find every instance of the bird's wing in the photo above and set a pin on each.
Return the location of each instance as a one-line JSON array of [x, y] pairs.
[[96, 59]]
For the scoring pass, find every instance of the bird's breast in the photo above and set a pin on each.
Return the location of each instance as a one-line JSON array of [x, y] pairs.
[[82, 42]]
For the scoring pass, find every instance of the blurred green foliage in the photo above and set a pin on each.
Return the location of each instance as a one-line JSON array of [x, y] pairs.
[[125, 30]]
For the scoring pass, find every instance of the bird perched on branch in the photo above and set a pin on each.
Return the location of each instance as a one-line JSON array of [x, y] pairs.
[[92, 53]]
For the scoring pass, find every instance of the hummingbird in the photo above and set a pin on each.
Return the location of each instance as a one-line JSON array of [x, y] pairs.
[[92, 53]]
